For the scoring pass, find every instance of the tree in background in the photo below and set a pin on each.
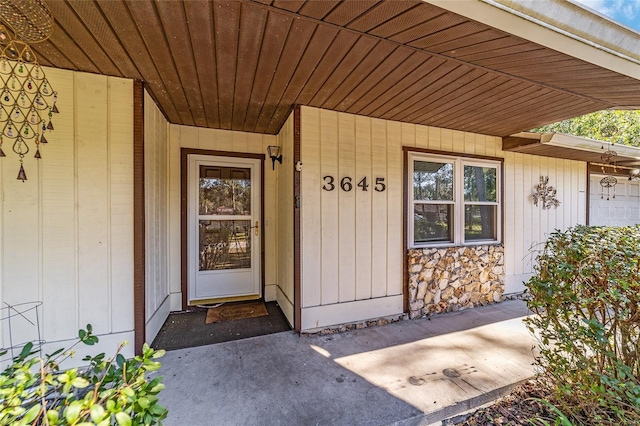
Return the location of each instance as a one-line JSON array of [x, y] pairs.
[[616, 126]]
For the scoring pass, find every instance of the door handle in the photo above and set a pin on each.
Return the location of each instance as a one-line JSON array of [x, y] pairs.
[[256, 228]]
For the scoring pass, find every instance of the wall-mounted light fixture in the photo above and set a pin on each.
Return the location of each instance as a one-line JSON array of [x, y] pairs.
[[634, 174], [274, 154]]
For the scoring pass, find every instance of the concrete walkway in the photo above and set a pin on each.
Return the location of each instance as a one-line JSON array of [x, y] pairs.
[[408, 373]]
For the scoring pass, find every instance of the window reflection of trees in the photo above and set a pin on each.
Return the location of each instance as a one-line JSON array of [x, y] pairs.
[[433, 188], [432, 181], [224, 191], [479, 186], [225, 244]]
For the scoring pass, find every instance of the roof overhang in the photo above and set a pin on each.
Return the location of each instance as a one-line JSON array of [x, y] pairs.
[[569, 147], [242, 65]]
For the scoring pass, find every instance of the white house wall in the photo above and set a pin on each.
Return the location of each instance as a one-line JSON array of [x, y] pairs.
[[229, 141], [284, 219], [156, 194], [351, 241], [352, 267], [66, 234], [527, 226]]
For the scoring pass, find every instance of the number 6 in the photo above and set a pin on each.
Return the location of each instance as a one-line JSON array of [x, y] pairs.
[[345, 184]]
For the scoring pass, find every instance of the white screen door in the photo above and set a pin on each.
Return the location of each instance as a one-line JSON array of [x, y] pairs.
[[224, 227]]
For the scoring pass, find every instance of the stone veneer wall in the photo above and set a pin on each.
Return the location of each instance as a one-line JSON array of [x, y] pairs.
[[455, 278]]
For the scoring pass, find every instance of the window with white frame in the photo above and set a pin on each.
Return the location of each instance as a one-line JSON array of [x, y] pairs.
[[453, 201]]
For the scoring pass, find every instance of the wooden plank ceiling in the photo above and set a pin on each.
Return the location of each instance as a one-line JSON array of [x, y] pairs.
[[242, 65]]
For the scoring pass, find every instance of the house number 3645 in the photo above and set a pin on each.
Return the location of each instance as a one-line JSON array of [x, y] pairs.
[[347, 183]]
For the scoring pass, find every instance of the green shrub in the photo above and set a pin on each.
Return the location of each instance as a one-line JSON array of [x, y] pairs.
[[586, 294], [34, 391]]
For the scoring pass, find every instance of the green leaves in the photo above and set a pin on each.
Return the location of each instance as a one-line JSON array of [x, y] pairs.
[[123, 419], [109, 391], [616, 126], [586, 295]]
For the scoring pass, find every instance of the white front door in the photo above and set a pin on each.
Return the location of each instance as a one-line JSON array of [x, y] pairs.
[[224, 228]]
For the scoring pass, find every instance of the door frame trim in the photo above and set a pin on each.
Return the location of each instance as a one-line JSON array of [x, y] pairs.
[[184, 213], [139, 209]]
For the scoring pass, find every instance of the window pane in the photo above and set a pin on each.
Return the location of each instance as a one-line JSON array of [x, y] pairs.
[[432, 181], [225, 191], [432, 223], [479, 183], [480, 223], [225, 244]]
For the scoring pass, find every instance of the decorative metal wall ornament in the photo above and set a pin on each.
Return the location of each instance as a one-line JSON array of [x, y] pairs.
[[27, 100], [545, 193]]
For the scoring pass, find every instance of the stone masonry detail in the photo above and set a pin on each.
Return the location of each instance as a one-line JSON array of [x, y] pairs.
[[455, 278]]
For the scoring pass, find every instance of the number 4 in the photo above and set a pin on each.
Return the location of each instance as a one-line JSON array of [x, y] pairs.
[[363, 184]]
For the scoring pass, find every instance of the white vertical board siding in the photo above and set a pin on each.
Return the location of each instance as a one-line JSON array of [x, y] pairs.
[[92, 158], [66, 234], [329, 241], [156, 182], [363, 207], [352, 241], [285, 248], [121, 163], [312, 273], [228, 141], [346, 249], [379, 211], [59, 241], [528, 226], [346, 207]]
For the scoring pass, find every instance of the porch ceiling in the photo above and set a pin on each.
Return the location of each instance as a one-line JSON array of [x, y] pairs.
[[241, 65]]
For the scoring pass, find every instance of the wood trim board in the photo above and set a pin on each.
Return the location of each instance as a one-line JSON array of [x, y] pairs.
[[139, 259], [297, 267]]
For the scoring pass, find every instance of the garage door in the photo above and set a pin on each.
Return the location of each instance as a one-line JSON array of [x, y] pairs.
[[620, 211]]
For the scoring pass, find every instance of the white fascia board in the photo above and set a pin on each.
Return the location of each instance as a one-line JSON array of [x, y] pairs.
[[569, 141], [564, 140], [498, 14]]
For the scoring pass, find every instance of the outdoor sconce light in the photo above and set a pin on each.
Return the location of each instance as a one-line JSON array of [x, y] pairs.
[[634, 174], [274, 154]]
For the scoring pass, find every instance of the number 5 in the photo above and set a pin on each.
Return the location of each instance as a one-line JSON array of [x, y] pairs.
[[380, 186]]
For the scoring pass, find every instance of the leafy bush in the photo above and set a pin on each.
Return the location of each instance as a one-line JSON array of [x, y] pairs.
[[586, 295], [34, 391]]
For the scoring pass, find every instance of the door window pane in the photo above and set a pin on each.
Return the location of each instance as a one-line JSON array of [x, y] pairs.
[[480, 223], [432, 181], [225, 244], [225, 190], [479, 183], [432, 223]]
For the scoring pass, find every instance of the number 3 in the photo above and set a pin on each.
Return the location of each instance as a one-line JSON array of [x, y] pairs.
[[329, 185]]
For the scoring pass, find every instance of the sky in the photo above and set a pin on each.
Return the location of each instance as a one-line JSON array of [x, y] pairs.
[[626, 12]]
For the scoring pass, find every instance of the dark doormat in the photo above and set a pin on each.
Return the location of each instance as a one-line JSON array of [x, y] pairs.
[[189, 329], [236, 311]]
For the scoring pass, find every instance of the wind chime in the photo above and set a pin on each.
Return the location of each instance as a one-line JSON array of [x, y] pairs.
[[27, 100], [608, 182]]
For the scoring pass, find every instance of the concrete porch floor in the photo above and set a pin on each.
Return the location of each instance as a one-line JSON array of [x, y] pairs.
[[415, 372]]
